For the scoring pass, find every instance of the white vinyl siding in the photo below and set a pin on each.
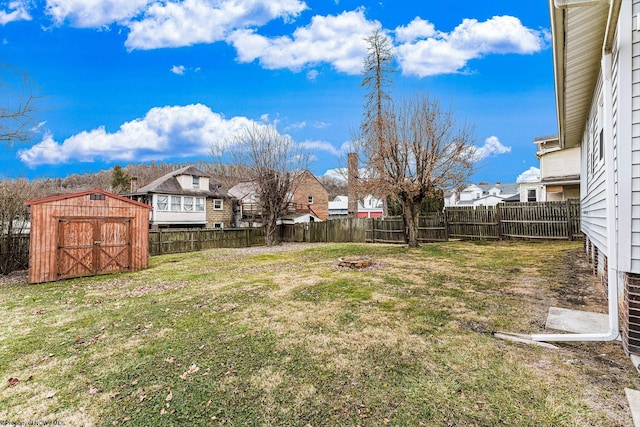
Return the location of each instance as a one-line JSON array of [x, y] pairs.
[[594, 201], [635, 143]]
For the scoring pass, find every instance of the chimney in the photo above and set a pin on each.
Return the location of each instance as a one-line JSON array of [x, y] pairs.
[[134, 184], [352, 182]]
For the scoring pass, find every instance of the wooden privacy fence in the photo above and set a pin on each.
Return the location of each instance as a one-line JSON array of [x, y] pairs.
[[335, 231], [543, 220], [170, 241]]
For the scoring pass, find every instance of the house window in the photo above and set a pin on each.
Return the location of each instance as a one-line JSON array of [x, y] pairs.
[[188, 204], [163, 203], [601, 145], [175, 203], [196, 182], [531, 195], [199, 204], [217, 204], [310, 200], [96, 197], [218, 225]]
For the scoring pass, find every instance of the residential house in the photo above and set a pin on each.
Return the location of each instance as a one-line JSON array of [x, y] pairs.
[[559, 178], [309, 197], [596, 55], [482, 194], [368, 207], [339, 207], [186, 198]]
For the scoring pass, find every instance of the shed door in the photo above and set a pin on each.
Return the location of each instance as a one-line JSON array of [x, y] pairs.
[[90, 246]]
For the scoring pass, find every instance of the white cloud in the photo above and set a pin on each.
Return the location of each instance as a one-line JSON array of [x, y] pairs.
[[187, 22], [492, 146], [530, 175], [16, 11], [426, 52], [416, 29], [321, 125], [312, 74], [297, 126], [94, 13], [164, 132], [337, 40], [320, 146], [178, 69]]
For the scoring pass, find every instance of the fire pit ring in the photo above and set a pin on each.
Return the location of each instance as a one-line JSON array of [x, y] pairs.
[[355, 261]]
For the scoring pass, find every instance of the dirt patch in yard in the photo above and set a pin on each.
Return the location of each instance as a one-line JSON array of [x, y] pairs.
[[603, 364]]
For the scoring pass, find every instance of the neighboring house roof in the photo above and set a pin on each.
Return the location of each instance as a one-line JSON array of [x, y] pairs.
[[508, 188], [168, 184], [339, 204], [298, 218], [546, 138], [569, 179], [84, 193], [243, 189], [514, 198]]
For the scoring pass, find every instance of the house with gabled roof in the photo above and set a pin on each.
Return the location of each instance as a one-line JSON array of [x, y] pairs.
[[186, 197]]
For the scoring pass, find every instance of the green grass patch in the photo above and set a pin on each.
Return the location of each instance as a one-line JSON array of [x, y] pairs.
[[222, 337]]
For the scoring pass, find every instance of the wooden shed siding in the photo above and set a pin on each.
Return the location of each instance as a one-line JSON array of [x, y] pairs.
[[45, 231]]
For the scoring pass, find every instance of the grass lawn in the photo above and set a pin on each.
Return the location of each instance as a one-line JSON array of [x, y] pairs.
[[246, 337]]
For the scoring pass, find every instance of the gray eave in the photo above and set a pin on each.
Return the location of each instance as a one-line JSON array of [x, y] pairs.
[[578, 38]]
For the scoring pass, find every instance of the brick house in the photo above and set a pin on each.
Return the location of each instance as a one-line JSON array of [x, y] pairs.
[[309, 197]]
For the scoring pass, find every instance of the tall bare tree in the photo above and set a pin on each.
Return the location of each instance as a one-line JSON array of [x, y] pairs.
[[17, 105], [377, 78], [425, 150], [412, 149], [271, 161]]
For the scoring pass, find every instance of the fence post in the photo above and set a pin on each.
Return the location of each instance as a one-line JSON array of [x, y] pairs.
[[446, 224], [499, 220], [567, 207]]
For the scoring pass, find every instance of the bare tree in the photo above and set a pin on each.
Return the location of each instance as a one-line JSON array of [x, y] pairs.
[[377, 77], [424, 152], [377, 73], [17, 105], [14, 221], [410, 151], [271, 161]]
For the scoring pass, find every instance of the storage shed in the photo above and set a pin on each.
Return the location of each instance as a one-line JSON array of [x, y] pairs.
[[85, 234]]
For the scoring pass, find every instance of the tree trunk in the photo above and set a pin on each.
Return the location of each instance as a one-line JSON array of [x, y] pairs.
[[411, 212], [270, 227]]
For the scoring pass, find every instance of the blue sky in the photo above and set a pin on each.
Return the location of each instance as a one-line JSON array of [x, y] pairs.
[[139, 80]]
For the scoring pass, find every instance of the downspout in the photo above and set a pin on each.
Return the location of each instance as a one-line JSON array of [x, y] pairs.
[[613, 331]]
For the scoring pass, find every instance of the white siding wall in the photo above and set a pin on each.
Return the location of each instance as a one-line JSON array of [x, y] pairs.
[[635, 147], [594, 201], [560, 163]]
